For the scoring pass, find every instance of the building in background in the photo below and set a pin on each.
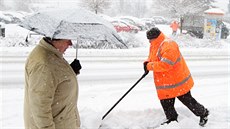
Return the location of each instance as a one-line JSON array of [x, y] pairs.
[[213, 23]]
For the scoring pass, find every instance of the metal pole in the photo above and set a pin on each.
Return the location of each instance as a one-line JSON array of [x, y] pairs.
[[77, 46], [181, 24], [124, 96]]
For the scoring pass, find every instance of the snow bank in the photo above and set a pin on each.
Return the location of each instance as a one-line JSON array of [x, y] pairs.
[[16, 36]]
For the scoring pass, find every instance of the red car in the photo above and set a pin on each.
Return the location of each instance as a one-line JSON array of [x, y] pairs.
[[121, 26]]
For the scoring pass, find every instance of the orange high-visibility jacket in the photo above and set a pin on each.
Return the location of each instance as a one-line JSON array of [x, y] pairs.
[[171, 75], [174, 25]]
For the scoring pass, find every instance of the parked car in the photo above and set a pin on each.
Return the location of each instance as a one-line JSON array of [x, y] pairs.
[[159, 20], [122, 26], [4, 19], [134, 21], [2, 29], [149, 22], [8, 17], [224, 31], [132, 28]]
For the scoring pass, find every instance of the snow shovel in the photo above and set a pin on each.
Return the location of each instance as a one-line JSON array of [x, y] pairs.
[[124, 95]]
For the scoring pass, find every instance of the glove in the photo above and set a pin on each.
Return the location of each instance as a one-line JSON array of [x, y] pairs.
[[145, 67], [76, 66]]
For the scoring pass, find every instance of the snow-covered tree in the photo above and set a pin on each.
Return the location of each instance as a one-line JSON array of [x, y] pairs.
[[135, 8], [96, 5], [2, 5], [120, 6], [177, 8], [22, 5], [15, 5], [229, 7], [139, 8]]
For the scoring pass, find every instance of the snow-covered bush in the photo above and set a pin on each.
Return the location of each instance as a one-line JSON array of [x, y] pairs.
[[129, 40], [192, 42], [97, 44], [17, 40]]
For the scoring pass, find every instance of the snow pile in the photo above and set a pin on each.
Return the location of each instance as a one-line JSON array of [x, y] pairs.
[[131, 40], [3, 17], [192, 42], [16, 36]]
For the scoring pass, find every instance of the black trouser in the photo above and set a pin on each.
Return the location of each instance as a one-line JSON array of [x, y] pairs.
[[187, 100]]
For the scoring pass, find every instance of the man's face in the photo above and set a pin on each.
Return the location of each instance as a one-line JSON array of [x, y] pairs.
[[62, 45]]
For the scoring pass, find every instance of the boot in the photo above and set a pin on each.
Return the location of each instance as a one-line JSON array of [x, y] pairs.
[[169, 120], [204, 118]]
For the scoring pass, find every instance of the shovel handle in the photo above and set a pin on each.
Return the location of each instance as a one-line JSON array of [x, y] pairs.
[[124, 95]]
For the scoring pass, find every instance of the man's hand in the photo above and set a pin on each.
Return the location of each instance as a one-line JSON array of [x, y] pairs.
[[145, 67], [76, 66]]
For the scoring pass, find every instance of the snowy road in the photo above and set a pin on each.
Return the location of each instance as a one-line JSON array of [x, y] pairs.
[[119, 69], [106, 76]]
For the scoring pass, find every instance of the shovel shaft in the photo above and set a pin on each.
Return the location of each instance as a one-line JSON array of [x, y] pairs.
[[123, 96]]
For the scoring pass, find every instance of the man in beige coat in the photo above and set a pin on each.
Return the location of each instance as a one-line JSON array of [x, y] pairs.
[[51, 87]]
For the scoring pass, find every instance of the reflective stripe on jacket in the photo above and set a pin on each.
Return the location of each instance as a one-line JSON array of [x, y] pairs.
[[171, 75]]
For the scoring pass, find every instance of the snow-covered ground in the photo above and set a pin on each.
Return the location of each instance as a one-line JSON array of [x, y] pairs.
[[107, 74]]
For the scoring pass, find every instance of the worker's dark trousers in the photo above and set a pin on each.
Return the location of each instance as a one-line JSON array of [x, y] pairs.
[[187, 100]]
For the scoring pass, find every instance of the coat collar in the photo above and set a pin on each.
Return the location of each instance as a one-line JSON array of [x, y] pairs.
[[49, 47], [156, 42]]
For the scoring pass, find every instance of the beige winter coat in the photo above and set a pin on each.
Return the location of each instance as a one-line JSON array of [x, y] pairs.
[[51, 90]]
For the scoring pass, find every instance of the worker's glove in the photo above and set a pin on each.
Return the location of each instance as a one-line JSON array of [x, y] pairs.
[[76, 66], [145, 67]]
